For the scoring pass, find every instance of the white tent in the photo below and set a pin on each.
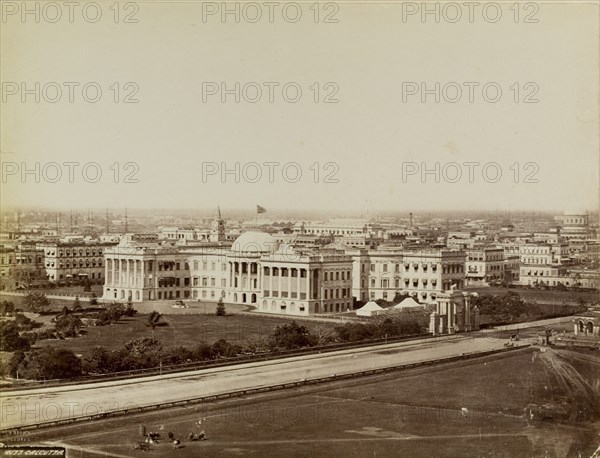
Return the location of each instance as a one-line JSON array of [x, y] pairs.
[[369, 309], [408, 303]]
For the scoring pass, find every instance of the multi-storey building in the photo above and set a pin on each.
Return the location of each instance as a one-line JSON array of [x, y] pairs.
[[542, 253], [21, 263], [145, 271], [340, 227], [381, 274], [428, 272], [539, 261], [484, 266], [65, 261], [253, 270], [575, 225]]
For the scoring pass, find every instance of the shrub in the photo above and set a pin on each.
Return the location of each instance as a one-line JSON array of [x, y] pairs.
[[291, 336], [50, 363]]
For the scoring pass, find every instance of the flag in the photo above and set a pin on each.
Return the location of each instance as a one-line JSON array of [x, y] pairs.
[[260, 209]]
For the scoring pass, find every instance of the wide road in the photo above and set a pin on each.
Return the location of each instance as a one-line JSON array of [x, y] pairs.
[[28, 407]]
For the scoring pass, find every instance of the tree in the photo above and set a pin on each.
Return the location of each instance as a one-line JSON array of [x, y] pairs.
[[220, 307], [94, 299], [68, 326], [223, 349], [139, 347], [98, 362], [153, 320], [7, 308], [145, 352], [10, 340], [36, 301], [290, 336], [50, 363]]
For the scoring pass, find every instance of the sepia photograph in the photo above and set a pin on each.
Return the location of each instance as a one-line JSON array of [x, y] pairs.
[[304, 229]]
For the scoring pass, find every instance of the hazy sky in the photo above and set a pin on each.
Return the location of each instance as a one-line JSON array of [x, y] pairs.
[[372, 58]]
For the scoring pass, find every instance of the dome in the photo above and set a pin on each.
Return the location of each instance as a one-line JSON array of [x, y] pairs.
[[254, 242]]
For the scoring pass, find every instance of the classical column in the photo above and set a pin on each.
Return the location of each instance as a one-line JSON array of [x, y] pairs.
[[307, 284], [298, 283], [280, 282], [135, 273], [270, 281], [143, 275]]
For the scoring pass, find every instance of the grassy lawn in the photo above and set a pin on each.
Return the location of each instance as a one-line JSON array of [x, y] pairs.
[[180, 330], [413, 413]]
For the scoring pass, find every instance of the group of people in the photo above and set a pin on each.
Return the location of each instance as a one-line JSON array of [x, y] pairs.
[[153, 437]]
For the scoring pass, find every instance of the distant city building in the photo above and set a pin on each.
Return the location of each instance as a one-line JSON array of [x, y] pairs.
[[381, 274], [576, 225], [76, 260], [484, 266], [21, 264]]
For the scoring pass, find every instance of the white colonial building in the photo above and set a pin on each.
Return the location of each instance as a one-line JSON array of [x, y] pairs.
[[254, 270]]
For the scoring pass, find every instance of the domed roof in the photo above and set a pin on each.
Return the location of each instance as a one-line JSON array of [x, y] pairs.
[[254, 242]]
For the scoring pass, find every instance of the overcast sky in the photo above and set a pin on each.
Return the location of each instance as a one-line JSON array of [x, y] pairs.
[[360, 145]]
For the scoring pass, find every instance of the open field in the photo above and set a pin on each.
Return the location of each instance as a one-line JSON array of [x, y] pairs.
[[411, 413], [181, 330]]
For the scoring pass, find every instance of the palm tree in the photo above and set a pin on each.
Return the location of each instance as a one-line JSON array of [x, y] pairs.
[[153, 320]]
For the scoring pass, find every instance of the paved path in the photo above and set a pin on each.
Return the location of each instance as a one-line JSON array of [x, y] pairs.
[[47, 404]]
